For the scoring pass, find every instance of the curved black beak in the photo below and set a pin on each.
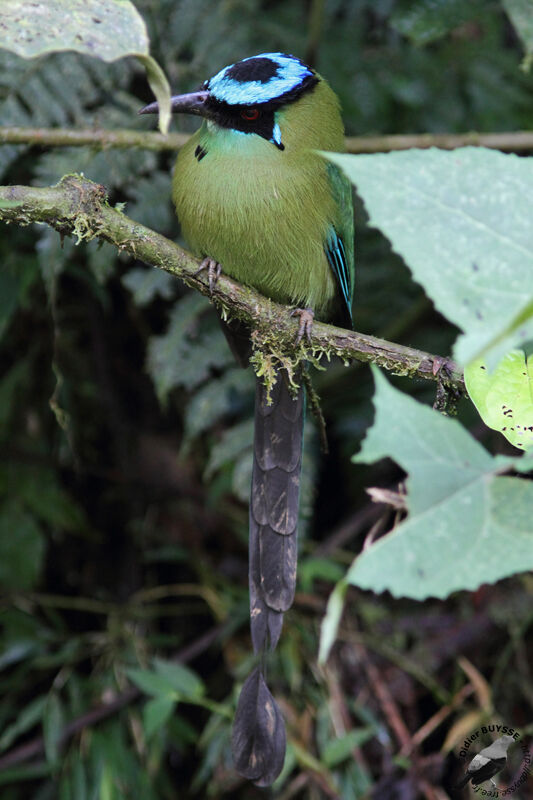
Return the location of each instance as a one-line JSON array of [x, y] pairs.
[[193, 103]]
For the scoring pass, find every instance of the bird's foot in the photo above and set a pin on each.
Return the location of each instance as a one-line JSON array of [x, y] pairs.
[[307, 316], [214, 270]]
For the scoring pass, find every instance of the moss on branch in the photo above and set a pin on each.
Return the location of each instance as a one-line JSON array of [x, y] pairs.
[[78, 207]]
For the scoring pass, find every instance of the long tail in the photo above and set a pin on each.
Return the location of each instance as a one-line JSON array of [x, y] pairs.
[[258, 738], [463, 782]]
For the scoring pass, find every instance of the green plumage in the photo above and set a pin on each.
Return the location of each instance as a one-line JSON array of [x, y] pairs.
[[265, 213]]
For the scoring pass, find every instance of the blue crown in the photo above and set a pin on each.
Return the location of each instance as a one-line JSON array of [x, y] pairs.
[[259, 79]]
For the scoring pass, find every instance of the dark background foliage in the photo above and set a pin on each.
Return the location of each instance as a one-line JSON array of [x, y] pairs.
[[125, 431]]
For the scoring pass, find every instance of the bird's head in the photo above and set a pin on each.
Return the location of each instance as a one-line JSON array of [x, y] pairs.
[[252, 95], [506, 740]]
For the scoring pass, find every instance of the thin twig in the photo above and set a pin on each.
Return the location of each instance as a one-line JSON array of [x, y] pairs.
[[437, 719], [295, 786], [97, 138], [394, 718], [340, 714], [101, 139], [386, 700], [349, 529], [510, 142]]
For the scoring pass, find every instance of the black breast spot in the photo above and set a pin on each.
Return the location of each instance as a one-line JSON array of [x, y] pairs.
[[200, 152]]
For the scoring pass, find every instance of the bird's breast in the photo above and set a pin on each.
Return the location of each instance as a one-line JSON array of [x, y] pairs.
[[262, 213]]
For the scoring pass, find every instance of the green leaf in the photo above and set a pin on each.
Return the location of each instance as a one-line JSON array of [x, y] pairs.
[[466, 524], [147, 284], [38, 490], [169, 683], [219, 397], [102, 260], [27, 772], [355, 781], [428, 20], [439, 455], [27, 718], [234, 442], [185, 355], [17, 648], [53, 724], [504, 398], [159, 86], [152, 683], [338, 750], [166, 553], [462, 222], [332, 618], [105, 29], [156, 712], [21, 547], [13, 290], [111, 752], [182, 732], [182, 679], [79, 779], [520, 13], [148, 207], [311, 569], [242, 476], [10, 387], [106, 790]]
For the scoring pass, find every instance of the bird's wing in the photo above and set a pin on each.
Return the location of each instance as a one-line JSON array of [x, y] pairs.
[[478, 762], [339, 246], [490, 768]]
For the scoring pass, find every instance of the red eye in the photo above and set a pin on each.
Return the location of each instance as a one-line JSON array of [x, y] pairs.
[[250, 114]]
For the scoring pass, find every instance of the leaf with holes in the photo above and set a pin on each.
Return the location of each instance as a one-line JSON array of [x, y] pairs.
[[467, 524], [504, 397]]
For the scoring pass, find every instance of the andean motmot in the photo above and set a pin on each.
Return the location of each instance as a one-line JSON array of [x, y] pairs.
[[257, 200]]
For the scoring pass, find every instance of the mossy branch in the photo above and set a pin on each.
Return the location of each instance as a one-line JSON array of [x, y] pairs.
[[78, 207]]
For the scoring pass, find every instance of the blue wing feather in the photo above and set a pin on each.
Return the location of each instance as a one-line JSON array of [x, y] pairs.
[[339, 243], [336, 255]]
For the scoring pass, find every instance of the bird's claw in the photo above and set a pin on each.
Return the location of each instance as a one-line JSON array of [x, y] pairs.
[[441, 365], [307, 316], [214, 270]]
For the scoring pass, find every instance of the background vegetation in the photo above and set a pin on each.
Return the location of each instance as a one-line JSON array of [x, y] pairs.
[[125, 430]]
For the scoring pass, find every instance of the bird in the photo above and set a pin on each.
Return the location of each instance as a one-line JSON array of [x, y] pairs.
[[487, 762], [257, 201]]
